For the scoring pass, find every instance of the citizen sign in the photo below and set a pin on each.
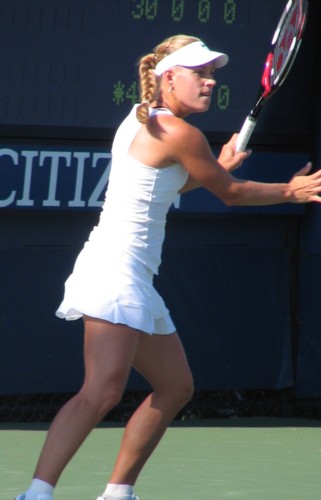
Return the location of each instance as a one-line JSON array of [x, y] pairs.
[[33, 178], [53, 178]]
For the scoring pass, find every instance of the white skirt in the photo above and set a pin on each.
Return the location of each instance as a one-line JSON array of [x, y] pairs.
[[119, 292]]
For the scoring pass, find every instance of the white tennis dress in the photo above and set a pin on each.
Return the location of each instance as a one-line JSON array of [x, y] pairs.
[[113, 275]]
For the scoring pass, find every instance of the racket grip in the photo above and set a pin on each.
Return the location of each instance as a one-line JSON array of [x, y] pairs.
[[245, 134]]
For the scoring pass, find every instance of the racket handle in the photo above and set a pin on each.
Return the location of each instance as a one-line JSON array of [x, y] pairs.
[[245, 134]]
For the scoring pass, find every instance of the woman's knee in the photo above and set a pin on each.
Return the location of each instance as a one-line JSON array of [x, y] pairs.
[[187, 389], [181, 389], [99, 402]]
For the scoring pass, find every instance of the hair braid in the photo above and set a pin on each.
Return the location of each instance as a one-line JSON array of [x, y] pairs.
[[148, 86]]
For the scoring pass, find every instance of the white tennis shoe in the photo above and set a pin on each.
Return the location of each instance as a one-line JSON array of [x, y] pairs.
[[127, 497]]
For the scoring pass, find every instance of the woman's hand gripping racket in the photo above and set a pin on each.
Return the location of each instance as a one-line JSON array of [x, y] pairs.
[[284, 48]]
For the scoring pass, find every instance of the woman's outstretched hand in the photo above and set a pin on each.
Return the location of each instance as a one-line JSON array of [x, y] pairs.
[[302, 187], [305, 188]]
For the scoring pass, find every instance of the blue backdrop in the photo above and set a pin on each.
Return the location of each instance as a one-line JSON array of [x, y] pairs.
[[242, 284]]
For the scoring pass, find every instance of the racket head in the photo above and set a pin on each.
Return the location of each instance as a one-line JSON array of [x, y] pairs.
[[285, 44]]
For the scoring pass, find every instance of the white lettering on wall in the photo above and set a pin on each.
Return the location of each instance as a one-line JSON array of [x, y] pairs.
[[26, 201], [93, 199], [14, 156], [77, 201], [54, 156]]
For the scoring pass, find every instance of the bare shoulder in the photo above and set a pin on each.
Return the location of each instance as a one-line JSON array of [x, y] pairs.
[[180, 137], [167, 139], [179, 130]]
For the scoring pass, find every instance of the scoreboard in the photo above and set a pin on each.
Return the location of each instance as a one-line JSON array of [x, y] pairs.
[[69, 68]]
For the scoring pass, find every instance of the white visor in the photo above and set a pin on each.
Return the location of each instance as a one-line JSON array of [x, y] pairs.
[[191, 55]]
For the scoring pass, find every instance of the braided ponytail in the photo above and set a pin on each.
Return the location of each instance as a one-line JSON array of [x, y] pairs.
[[148, 86]]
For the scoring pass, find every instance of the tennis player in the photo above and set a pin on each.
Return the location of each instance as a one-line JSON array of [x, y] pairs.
[[156, 154]]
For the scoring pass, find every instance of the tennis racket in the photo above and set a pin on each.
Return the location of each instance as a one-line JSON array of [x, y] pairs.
[[284, 48]]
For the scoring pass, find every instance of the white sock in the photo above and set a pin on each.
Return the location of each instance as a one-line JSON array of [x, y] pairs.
[[120, 490], [38, 486]]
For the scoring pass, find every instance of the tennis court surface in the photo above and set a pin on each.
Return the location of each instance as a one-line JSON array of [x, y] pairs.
[[250, 459]]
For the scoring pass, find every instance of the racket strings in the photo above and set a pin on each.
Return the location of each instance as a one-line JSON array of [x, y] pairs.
[[286, 40]]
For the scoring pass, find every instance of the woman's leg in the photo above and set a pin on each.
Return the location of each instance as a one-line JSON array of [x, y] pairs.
[[162, 362], [109, 351]]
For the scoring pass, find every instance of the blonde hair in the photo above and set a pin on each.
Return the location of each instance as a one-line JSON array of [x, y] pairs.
[[148, 80]]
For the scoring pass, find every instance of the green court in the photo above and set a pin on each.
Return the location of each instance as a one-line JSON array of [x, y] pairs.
[[250, 459]]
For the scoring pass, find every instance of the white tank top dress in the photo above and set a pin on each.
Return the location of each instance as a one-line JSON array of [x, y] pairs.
[[113, 275]]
